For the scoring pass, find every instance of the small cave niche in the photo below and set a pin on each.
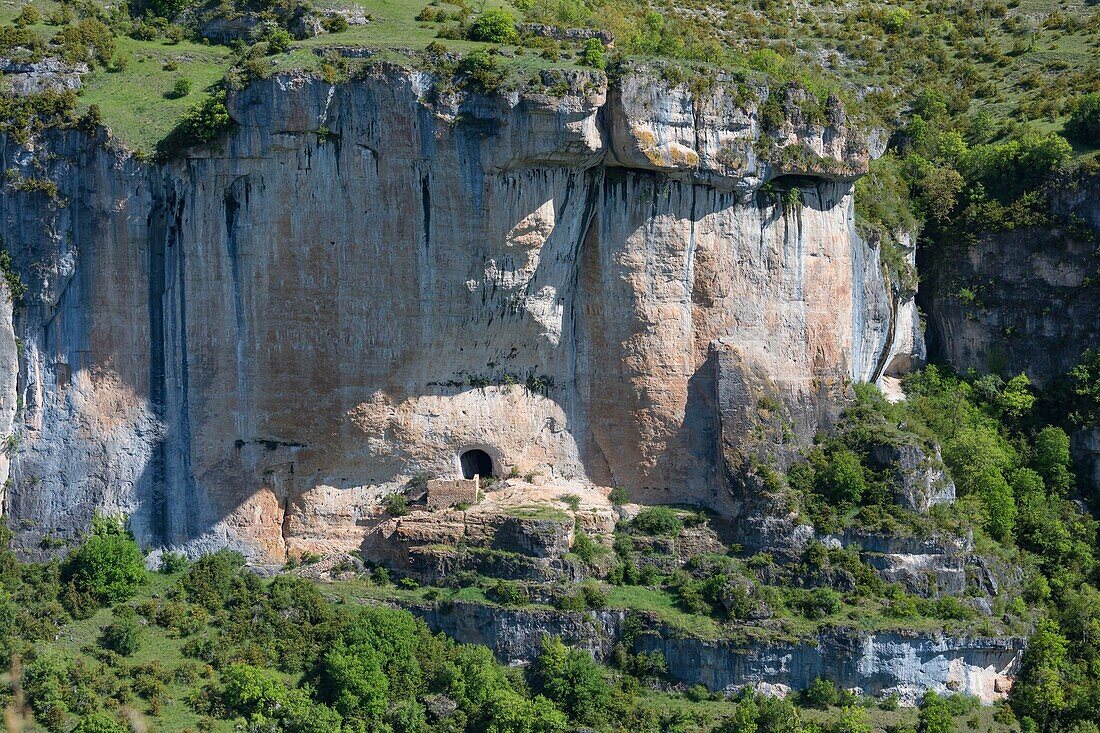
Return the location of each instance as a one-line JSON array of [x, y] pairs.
[[476, 462], [789, 191]]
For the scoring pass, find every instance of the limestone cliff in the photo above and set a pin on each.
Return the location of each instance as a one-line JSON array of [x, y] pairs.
[[251, 344]]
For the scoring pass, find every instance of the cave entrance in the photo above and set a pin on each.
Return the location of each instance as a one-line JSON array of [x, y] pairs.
[[476, 463]]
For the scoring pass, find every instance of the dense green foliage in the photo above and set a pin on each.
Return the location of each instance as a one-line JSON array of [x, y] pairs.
[[108, 567]]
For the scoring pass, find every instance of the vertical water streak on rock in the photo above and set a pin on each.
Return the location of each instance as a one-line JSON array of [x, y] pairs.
[[162, 206], [236, 197]]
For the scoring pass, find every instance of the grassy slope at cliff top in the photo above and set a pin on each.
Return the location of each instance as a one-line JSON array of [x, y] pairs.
[[1031, 59]]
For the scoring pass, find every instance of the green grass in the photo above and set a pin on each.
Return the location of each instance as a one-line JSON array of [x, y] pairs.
[[538, 511], [136, 103], [663, 605]]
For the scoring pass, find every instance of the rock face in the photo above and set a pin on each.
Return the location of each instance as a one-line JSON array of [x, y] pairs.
[[253, 344], [877, 664], [1025, 300], [48, 74], [919, 479]]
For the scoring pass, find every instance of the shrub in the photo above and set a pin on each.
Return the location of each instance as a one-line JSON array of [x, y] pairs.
[[278, 41], [181, 88], [335, 24], [509, 593], [593, 54], [397, 505], [585, 547], [935, 717], [1084, 121], [121, 636], [98, 723], [842, 480], [618, 496], [207, 120], [494, 26], [820, 694], [657, 520], [172, 562], [1052, 459], [573, 680], [108, 566], [209, 580], [481, 71], [28, 15], [819, 603]]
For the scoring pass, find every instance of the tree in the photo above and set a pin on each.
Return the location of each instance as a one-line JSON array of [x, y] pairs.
[[1052, 459], [1084, 121], [206, 121], [852, 720], [122, 636], [821, 694], [935, 716], [842, 478], [278, 41], [593, 55], [1017, 399], [98, 723], [108, 566], [510, 712], [494, 26], [353, 680], [742, 719], [1039, 692], [572, 679]]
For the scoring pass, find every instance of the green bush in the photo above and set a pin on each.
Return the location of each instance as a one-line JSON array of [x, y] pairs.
[[935, 716], [122, 636], [1084, 121], [109, 566], [820, 694], [1052, 459], [99, 723], [592, 55], [509, 593], [207, 120], [657, 520], [618, 496], [209, 581], [843, 479], [172, 563], [397, 505], [573, 680], [481, 71], [181, 88], [278, 41], [494, 26]]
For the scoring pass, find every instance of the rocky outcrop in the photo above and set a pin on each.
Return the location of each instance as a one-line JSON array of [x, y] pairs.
[[1023, 300], [48, 74], [252, 344], [516, 531], [877, 664], [920, 480]]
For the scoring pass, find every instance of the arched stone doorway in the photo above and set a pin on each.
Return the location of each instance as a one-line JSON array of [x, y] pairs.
[[476, 462]]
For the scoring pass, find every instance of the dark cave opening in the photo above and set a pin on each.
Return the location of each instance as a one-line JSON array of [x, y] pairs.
[[476, 463]]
